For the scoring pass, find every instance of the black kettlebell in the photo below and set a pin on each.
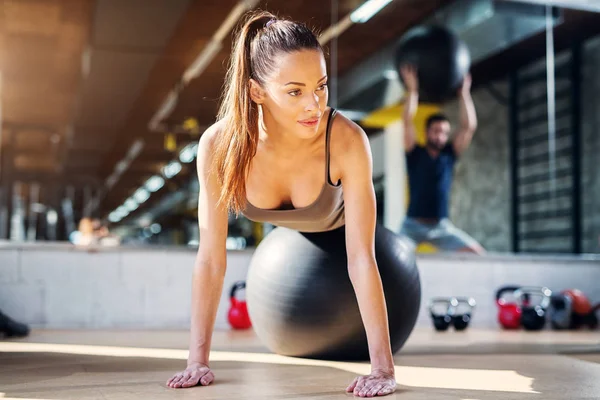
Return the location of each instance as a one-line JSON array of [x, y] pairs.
[[592, 318], [461, 320], [450, 315], [589, 320], [441, 320], [561, 311], [533, 313]]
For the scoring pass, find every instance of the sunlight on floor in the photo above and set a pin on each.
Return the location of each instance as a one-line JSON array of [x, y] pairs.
[[424, 377]]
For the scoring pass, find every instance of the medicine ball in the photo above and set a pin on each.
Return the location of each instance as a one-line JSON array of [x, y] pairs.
[[442, 60]]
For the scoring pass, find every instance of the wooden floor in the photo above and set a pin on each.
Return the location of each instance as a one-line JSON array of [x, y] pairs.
[[472, 365]]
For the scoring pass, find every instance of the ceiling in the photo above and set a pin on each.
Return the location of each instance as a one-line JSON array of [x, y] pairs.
[[94, 100]]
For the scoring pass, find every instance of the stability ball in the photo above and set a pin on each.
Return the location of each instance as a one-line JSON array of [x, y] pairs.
[[441, 57], [301, 300]]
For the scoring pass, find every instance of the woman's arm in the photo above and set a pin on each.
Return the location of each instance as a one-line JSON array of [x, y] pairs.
[[211, 262], [209, 269], [360, 208]]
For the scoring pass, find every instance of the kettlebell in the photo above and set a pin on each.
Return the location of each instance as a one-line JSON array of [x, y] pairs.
[[592, 318], [450, 315], [561, 311], [238, 316], [441, 320], [461, 320], [581, 303], [589, 320], [533, 313], [509, 313]]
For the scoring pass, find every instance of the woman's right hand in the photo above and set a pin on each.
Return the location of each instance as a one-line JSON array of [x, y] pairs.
[[194, 374]]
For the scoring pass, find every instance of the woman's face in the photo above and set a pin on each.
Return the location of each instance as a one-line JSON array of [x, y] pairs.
[[295, 94]]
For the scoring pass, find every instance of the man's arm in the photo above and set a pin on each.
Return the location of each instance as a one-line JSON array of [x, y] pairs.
[[409, 76], [468, 118]]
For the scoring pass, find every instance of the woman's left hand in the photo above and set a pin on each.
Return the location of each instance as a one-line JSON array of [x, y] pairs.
[[376, 384]]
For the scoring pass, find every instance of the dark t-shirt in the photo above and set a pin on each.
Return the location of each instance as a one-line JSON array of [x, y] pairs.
[[429, 182]]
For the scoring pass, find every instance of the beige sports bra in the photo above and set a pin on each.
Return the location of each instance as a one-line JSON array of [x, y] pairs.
[[324, 214]]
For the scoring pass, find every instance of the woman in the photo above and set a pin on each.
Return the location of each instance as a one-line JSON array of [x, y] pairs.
[[266, 155]]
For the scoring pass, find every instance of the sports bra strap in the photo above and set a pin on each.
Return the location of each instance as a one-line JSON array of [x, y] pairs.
[[327, 135]]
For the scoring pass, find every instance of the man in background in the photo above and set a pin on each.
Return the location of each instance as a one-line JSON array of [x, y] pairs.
[[431, 169]]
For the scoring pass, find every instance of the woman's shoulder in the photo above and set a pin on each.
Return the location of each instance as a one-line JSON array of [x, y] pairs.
[[346, 135], [208, 140], [207, 146]]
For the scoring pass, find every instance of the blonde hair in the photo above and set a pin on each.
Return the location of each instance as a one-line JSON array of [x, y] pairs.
[[261, 37]]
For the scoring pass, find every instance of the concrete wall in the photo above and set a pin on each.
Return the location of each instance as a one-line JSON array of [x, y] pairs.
[[58, 286], [480, 199], [61, 287]]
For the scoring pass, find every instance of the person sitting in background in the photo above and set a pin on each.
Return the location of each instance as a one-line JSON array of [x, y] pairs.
[[84, 236], [102, 234], [430, 170], [92, 232]]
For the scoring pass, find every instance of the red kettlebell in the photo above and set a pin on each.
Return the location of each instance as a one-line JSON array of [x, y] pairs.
[[509, 313], [238, 311]]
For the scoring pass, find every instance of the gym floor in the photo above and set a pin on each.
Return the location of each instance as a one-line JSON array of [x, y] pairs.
[[476, 364]]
